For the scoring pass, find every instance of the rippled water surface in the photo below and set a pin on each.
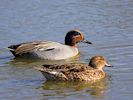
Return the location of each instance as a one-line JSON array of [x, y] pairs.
[[108, 24]]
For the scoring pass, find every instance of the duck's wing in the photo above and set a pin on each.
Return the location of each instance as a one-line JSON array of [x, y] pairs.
[[28, 47], [62, 72], [59, 72], [51, 74]]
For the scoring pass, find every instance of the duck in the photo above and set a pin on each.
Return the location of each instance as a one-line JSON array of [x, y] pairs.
[[76, 71], [50, 50]]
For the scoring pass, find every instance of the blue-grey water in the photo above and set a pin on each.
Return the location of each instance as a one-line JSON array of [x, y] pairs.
[[108, 24]]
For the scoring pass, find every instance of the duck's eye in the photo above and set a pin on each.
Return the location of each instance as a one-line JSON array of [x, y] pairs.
[[75, 33]]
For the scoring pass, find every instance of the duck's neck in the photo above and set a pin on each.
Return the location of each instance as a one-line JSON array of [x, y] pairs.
[[70, 43]]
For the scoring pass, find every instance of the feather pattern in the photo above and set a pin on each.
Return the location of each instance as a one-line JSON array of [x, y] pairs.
[[69, 72], [75, 71]]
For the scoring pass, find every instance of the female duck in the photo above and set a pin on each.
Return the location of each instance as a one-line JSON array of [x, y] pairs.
[[75, 71], [50, 50]]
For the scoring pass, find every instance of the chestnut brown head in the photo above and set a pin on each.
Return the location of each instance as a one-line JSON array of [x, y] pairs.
[[75, 36]]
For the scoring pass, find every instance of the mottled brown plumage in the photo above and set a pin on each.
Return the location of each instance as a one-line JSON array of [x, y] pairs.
[[75, 71]]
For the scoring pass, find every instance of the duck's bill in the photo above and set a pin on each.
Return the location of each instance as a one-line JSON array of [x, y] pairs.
[[108, 65], [86, 41]]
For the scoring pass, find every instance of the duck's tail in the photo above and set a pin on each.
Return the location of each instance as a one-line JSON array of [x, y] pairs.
[[50, 74], [12, 49]]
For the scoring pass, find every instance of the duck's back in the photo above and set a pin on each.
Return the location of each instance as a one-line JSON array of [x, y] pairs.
[[44, 49]]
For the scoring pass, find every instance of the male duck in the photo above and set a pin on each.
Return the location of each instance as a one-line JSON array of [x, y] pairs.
[[50, 50], [75, 71]]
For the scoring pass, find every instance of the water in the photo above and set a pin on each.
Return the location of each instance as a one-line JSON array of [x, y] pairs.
[[108, 24]]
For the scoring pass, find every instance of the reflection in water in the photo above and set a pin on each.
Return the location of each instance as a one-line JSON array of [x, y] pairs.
[[111, 25], [61, 89]]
